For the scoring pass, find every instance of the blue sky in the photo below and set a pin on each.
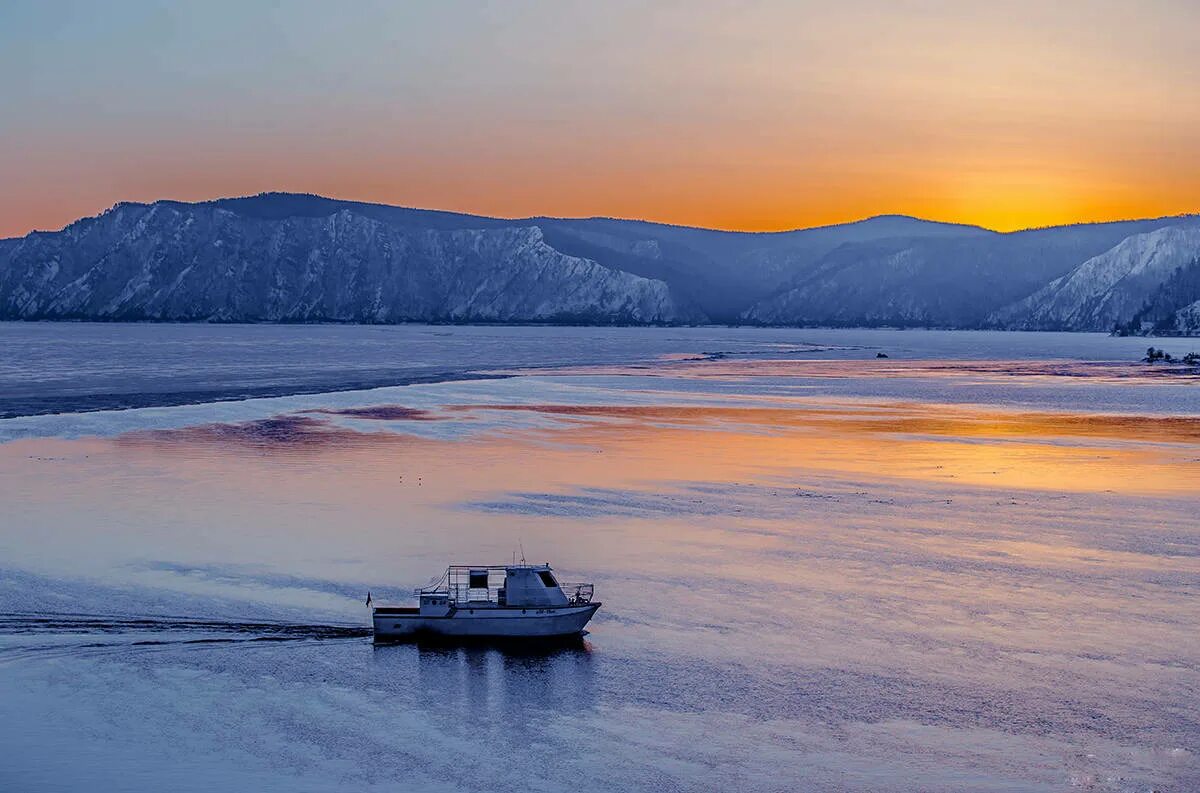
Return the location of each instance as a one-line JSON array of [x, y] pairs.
[[742, 115]]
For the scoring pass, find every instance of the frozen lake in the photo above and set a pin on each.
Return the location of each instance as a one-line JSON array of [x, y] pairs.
[[971, 565]]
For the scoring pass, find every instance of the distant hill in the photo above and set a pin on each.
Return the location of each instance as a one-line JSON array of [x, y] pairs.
[[1106, 290], [957, 281], [280, 257]]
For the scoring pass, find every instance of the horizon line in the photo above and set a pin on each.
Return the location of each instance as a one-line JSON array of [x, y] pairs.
[[790, 230]]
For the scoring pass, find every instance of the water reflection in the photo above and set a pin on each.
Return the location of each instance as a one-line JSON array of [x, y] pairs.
[[493, 687]]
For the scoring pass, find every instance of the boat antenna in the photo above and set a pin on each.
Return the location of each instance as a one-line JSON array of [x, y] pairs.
[[522, 551]]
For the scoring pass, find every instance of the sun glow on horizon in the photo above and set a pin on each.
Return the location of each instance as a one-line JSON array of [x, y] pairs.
[[769, 117]]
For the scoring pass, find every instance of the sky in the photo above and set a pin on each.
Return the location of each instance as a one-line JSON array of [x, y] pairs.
[[740, 115]]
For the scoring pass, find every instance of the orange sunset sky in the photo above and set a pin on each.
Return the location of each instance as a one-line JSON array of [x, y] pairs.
[[766, 115]]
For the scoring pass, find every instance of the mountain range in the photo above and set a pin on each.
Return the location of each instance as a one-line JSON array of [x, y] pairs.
[[280, 257]]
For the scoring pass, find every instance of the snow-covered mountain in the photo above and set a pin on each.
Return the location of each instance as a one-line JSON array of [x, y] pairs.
[[280, 257], [288, 257], [938, 281], [1173, 308], [204, 262], [1109, 289]]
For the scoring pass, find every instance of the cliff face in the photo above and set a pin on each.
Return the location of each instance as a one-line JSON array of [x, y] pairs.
[[201, 262], [1173, 308], [1186, 320], [1108, 289]]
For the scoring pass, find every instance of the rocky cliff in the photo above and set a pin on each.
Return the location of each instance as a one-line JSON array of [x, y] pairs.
[[170, 261]]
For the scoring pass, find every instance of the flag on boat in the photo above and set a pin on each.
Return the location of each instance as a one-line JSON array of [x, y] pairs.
[[368, 597]]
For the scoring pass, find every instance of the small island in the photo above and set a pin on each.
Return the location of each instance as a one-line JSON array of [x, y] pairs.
[[1162, 356]]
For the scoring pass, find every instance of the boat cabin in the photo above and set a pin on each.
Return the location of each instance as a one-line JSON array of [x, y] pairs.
[[499, 586]]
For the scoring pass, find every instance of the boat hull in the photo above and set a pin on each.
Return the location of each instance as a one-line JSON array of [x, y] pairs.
[[484, 623]]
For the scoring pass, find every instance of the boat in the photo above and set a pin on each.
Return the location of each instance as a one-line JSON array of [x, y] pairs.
[[490, 602]]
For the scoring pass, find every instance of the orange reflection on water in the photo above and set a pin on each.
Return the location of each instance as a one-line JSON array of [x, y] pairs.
[[606, 445], [935, 443]]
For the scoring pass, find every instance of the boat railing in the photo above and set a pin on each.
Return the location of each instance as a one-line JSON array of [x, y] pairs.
[[455, 585], [578, 594], [461, 593]]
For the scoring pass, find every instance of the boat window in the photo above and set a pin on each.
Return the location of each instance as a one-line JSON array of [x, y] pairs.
[[547, 578], [479, 579]]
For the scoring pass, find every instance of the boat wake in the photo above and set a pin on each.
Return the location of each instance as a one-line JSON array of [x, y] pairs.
[[30, 635]]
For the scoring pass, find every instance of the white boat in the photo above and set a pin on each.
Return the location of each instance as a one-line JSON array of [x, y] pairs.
[[518, 601]]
